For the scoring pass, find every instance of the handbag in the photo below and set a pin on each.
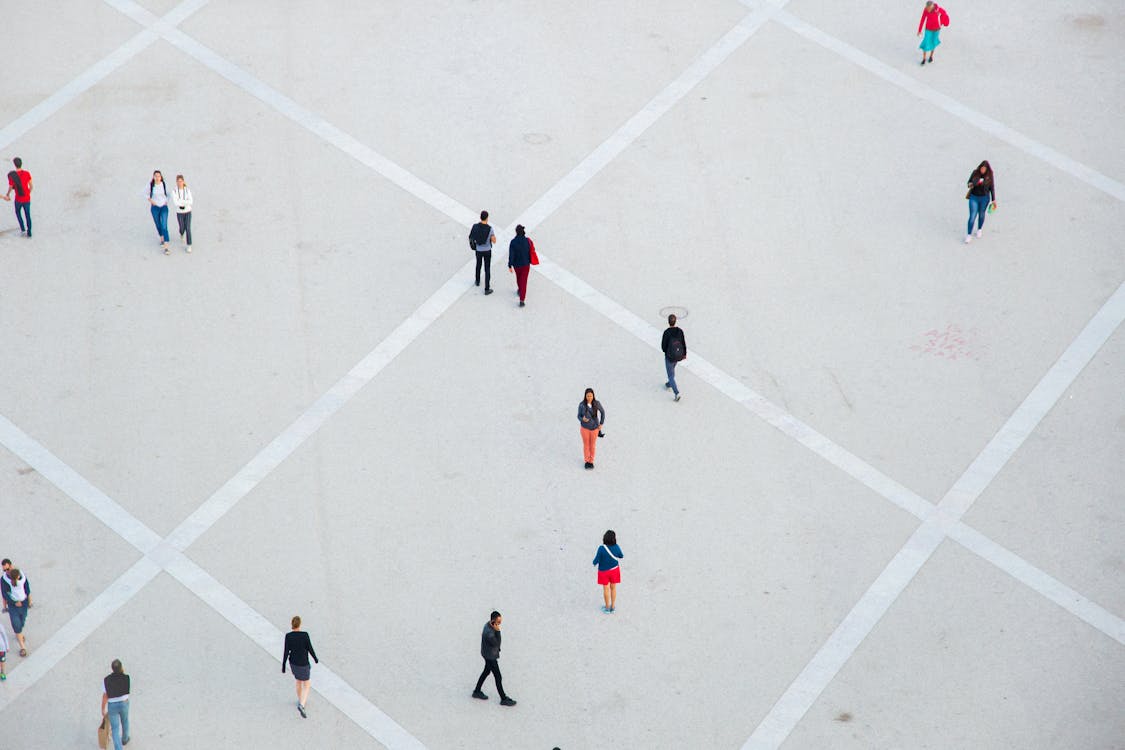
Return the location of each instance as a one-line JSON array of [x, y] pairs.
[[103, 733], [534, 255]]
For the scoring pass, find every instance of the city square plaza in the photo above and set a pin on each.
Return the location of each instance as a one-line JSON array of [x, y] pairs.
[[888, 511]]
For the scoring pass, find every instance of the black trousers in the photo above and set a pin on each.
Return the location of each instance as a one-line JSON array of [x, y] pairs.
[[184, 220], [493, 666], [486, 256]]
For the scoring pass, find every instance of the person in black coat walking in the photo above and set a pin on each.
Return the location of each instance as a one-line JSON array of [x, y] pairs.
[[490, 650], [674, 347], [519, 260], [298, 649]]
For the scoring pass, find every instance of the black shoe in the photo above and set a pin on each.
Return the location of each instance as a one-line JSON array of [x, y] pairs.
[[506, 701], [589, 465], [931, 60], [126, 740], [601, 434], [487, 290], [302, 710], [479, 695], [522, 303], [923, 61], [476, 283], [667, 386]]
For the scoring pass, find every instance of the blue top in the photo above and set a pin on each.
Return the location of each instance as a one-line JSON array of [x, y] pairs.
[[608, 562], [519, 252]]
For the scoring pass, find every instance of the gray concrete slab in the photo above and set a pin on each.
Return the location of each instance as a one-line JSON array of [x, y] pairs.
[[973, 662]]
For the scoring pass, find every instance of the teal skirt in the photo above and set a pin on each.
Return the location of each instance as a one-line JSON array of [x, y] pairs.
[[930, 41]]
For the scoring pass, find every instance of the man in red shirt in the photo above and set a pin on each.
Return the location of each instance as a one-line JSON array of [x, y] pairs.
[[19, 182]]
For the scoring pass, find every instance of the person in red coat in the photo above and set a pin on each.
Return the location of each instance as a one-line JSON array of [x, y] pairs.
[[933, 18]]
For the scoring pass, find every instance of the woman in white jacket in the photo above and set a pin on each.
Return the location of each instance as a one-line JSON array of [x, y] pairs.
[[181, 197]]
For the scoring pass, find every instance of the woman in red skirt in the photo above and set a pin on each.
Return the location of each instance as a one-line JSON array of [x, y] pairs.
[[609, 570]]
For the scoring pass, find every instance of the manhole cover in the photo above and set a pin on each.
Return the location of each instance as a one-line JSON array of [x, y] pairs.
[[536, 139], [679, 312]]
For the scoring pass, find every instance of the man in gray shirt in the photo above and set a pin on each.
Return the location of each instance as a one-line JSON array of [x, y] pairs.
[[481, 240]]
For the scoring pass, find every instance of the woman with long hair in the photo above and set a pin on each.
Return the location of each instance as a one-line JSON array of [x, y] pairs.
[[182, 196], [158, 204], [981, 196], [591, 417]]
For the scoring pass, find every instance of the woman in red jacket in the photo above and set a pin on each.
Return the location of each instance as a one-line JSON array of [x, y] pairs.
[[933, 18]]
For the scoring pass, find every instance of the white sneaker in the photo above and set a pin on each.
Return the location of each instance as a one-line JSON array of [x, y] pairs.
[[978, 233], [968, 238]]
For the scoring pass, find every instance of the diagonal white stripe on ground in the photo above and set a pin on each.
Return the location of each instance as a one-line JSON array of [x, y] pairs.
[[994, 127], [799, 697]]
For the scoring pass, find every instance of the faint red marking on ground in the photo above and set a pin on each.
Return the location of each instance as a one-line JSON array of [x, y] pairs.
[[951, 343]]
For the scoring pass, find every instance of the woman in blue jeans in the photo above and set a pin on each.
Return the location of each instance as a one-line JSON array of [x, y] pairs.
[[158, 203], [982, 194]]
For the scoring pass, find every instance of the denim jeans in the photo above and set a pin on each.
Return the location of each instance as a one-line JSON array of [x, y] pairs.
[[18, 616], [670, 368], [978, 207], [160, 219], [118, 722], [184, 221], [26, 209]]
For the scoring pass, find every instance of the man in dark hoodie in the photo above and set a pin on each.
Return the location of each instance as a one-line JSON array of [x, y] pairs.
[[490, 650]]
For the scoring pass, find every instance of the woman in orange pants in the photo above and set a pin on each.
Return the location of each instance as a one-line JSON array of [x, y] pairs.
[[591, 417]]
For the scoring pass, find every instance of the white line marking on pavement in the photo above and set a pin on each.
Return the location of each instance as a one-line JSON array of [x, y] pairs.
[[993, 127], [636, 125], [321, 410], [96, 72], [757, 404], [800, 696]]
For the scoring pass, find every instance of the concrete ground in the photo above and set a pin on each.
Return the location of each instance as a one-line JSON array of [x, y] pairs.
[[887, 513]]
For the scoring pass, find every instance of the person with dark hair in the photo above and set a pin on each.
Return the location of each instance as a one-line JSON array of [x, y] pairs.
[[591, 417], [481, 240], [158, 205], [19, 182], [17, 595], [298, 649], [182, 195], [609, 570], [115, 703], [982, 197], [519, 260], [674, 347], [490, 650], [5, 566], [933, 18]]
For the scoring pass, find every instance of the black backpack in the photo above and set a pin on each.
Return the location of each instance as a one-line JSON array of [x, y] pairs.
[[676, 349], [479, 235]]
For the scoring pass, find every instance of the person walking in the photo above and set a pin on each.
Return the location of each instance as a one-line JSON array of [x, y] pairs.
[[5, 566], [609, 570], [115, 703], [182, 197], [19, 182], [982, 198], [3, 653], [519, 260], [17, 595], [591, 417], [933, 18], [298, 649], [674, 346], [490, 650], [158, 204], [481, 240]]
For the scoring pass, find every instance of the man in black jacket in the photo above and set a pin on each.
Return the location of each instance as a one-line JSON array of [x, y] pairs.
[[490, 650], [675, 350]]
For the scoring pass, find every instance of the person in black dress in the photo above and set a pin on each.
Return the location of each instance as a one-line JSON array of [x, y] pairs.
[[298, 649]]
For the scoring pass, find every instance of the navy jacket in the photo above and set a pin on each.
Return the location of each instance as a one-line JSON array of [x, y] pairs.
[[519, 252], [591, 416]]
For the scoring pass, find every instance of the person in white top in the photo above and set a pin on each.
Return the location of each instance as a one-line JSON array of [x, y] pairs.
[[182, 198], [158, 202]]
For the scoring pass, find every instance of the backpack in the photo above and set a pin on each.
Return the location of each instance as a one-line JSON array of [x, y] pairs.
[[479, 235], [676, 349], [943, 17]]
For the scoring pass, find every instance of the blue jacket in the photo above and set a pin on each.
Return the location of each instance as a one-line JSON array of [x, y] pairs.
[[519, 252], [591, 416], [608, 562]]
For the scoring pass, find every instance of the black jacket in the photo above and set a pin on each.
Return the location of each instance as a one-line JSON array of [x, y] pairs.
[[672, 332], [490, 642]]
